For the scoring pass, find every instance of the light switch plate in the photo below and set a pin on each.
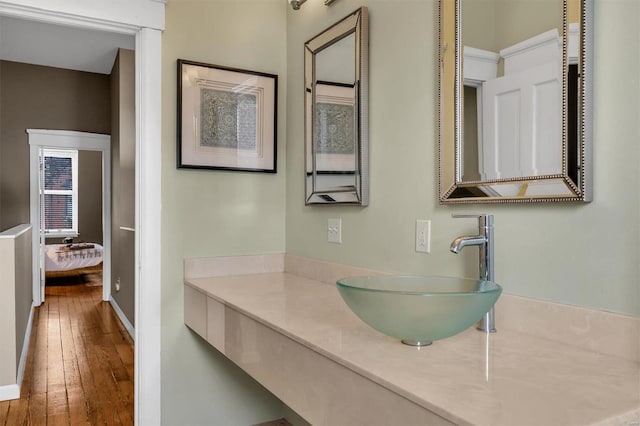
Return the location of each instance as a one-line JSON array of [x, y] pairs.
[[334, 230], [423, 236]]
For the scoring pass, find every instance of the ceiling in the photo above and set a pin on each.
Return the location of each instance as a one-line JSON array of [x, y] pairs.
[[59, 46]]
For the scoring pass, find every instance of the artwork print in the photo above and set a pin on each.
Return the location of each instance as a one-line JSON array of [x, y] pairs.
[[226, 118], [334, 132], [334, 128]]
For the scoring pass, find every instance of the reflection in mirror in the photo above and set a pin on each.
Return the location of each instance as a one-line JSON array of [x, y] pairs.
[[515, 100], [336, 123]]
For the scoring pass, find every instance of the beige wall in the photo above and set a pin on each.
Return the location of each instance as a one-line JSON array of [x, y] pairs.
[[23, 288], [15, 298], [479, 20], [8, 360], [579, 254], [496, 24], [209, 213], [123, 138], [518, 20], [37, 97]]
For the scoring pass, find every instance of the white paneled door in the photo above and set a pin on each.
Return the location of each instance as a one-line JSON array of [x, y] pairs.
[[522, 128]]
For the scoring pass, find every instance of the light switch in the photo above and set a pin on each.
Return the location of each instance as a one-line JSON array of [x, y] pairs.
[[334, 230]]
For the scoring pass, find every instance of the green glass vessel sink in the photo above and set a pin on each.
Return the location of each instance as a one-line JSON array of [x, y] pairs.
[[416, 309]]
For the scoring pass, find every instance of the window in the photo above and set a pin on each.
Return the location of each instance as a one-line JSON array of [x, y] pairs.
[[60, 192]]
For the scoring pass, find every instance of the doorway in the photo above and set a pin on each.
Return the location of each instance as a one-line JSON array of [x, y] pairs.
[[144, 20], [72, 217], [61, 142]]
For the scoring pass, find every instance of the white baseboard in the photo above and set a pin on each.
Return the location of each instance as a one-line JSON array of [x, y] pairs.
[[127, 324], [25, 347], [8, 392]]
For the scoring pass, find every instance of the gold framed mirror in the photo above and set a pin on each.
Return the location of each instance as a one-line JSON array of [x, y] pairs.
[[515, 101], [336, 70]]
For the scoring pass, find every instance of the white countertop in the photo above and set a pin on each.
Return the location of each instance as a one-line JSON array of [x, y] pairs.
[[506, 378]]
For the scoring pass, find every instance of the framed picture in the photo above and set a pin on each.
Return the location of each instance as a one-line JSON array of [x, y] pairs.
[[226, 118]]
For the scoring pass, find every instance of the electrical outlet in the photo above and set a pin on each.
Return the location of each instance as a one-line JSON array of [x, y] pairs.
[[117, 284], [334, 230], [423, 236]]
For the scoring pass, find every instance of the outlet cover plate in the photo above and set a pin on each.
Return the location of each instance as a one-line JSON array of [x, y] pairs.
[[423, 236]]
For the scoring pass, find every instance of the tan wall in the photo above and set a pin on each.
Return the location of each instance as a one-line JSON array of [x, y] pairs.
[[123, 180], [40, 97], [573, 11]]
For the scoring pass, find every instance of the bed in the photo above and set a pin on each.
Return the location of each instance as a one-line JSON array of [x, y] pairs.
[[65, 257]]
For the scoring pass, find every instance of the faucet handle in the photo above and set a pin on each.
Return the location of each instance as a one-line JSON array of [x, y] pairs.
[[483, 218]]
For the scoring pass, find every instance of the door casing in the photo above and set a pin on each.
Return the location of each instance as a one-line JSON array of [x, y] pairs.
[[143, 19], [39, 139]]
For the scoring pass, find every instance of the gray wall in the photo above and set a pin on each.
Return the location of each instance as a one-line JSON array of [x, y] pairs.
[[470, 166], [40, 97], [1, 228], [123, 181], [90, 196]]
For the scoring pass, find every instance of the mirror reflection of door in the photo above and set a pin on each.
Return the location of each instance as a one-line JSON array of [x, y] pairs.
[[513, 73]]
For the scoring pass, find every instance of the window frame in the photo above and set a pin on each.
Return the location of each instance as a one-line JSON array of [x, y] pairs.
[[73, 155]]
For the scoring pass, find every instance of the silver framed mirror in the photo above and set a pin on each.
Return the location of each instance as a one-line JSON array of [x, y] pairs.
[[515, 101], [336, 66]]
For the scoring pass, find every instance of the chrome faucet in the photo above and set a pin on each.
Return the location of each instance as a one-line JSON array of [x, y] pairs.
[[484, 241]]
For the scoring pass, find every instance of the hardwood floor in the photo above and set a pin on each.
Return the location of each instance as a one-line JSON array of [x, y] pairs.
[[79, 369]]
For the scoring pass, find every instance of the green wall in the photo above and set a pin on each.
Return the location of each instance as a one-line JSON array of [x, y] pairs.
[[213, 213], [579, 254]]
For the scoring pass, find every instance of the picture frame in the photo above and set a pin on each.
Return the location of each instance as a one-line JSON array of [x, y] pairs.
[[227, 118]]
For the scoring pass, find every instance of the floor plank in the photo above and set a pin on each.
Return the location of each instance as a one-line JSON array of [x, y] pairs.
[[4, 411], [78, 414], [38, 409], [38, 357], [79, 369], [18, 413]]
